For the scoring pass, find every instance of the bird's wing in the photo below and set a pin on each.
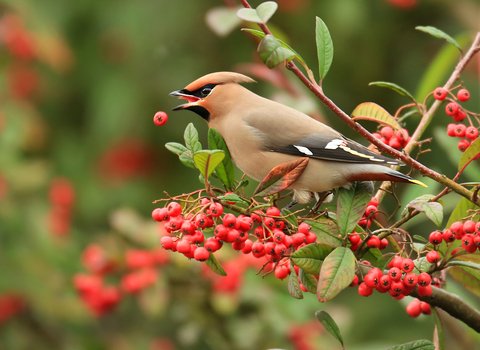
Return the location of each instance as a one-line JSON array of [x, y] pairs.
[[340, 149], [300, 135]]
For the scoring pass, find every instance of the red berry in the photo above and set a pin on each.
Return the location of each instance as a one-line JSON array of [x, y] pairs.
[[377, 135], [463, 145], [459, 116], [281, 271], [237, 245], [232, 235], [371, 211], [198, 237], [288, 241], [408, 265], [364, 290], [174, 209], [386, 132], [156, 214], [303, 228], [457, 229], [269, 222], [468, 243], [280, 249], [270, 248], [371, 280], [471, 132], [460, 130], [258, 247], [310, 237], [397, 286], [216, 209], [354, 239], [435, 237], [257, 219], [413, 309], [395, 143], [229, 220], [188, 227], [212, 244], [373, 201], [395, 274], [452, 108], [396, 262], [298, 238], [424, 279], [410, 280], [477, 228], [385, 282], [451, 129], [166, 242], [220, 232], [448, 236], [160, 118], [463, 95], [424, 291], [273, 211], [278, 237], [426, 310], [476, 241], [469, 227], [440, 93], [184, 246], [201, 254], [354, 282], [279, 225], [383, 243], [433, 257], [247, 249], [373, 242]]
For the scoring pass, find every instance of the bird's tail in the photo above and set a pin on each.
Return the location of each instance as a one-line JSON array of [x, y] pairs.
[[387, 174]]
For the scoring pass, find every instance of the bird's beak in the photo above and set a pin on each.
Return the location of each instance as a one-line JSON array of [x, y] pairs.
[[192, 100]]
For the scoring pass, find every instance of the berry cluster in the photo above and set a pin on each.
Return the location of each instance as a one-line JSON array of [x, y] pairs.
[[371, 212], [101, 298], [399, 282], [468, 133], [468, 232], [395, 139], [270, 240]]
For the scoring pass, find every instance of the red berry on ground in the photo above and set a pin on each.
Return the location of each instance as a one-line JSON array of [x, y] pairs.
[[452, 108], [463, 95], [160, 118], [440, 93], [433, 257]]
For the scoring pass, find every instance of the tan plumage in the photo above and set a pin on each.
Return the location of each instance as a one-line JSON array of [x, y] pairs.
[[261, 134]]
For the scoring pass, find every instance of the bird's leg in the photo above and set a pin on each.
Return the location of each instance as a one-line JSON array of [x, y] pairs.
[[320, 199], [290, 205]]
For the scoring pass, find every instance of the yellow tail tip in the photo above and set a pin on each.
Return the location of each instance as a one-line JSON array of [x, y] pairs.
[[418, 182]]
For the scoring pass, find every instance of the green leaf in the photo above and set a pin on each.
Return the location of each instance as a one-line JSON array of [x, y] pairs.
[[215, 266], [439, 34], [438, 329], [176, 148], [261, 14], [222, 20], [282, 176], [393, 87], [460, 211], [373, 112], [383, 261], [467, 276], [308, 281], [260, 34], [433, 210], [243, 183], [191, 138], [187, 159], [471, 152], [293, 284], [327, 321], [310, 257], [337, 272], [351, 205], [422, 264], [414, 345], [469, 264], [272, 52], [207, 160], [324, 47], [225, 169], [420, 238], [327, 231], [292, 219], [234, 198]]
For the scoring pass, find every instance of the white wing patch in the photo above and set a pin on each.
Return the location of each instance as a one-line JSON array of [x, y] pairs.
[[334, 144], [304, 150], [372, 158]]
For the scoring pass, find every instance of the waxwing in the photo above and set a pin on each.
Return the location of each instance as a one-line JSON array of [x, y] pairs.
[[261, 134]]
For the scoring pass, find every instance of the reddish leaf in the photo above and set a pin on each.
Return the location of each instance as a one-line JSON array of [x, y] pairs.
[[282, 176]]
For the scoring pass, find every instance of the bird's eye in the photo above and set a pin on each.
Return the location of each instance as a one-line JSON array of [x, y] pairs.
[[206, 92]]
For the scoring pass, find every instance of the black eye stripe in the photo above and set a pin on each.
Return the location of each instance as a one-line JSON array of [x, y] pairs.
[[198, 92]]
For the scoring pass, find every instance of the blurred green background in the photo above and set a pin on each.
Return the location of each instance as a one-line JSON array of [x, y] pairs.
[[81, 162]]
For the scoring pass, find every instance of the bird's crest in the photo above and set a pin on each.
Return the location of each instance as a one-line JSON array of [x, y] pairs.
[[219, 78]]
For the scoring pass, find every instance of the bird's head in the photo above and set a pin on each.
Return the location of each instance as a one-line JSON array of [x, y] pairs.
[[210, 93]]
